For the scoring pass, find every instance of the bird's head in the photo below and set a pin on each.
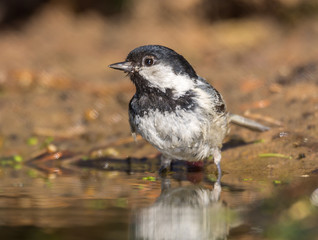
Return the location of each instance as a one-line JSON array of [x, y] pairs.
[[158, 67]]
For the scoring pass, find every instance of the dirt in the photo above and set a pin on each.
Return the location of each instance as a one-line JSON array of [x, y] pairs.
[[55, 83]]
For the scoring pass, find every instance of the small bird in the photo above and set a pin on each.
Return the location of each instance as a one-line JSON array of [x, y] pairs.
[[176, 110]]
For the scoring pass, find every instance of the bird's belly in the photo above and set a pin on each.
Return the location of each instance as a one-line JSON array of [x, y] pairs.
[[182, 135]]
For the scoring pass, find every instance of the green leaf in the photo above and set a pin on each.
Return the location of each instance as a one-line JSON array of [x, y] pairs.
[[149, 178], [17, 158], [32, 141], [277, 155]]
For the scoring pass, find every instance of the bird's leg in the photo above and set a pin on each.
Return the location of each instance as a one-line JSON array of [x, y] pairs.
[[217, 161], [165, 184], [165, 164], [216, 192]]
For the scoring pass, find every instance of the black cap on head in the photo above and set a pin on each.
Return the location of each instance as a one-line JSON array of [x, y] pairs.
[[163, 55]]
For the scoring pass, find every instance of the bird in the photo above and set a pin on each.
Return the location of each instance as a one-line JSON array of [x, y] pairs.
[[176, 110]]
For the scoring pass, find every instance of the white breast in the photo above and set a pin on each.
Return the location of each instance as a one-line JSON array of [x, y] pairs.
[[183, 135]]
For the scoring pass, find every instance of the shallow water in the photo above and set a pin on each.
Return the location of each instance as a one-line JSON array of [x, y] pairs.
[[100, 204]]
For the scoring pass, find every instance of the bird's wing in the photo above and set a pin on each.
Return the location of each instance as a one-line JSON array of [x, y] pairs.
[[216, 97], [220, 105]]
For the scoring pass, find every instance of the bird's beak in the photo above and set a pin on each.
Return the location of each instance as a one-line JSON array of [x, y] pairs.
[[123, 66]]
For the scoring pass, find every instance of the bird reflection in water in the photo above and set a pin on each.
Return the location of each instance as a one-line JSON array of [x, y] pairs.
[[189, 212]]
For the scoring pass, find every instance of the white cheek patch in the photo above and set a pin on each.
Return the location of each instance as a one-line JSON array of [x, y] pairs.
[[162, 77]]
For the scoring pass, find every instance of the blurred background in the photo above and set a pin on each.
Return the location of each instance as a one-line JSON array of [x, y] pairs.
[[60, 101], [54, 79]]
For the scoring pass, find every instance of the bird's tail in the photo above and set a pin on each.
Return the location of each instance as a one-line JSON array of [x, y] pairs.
[[247, 123]]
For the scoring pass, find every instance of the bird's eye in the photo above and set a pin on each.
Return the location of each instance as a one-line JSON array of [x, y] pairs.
[[148, 62]]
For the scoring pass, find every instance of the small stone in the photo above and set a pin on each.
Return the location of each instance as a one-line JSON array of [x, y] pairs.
[[301, 156], [51, 148]]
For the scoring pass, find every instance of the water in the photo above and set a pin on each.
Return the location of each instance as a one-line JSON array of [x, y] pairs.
[[98, 204]]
